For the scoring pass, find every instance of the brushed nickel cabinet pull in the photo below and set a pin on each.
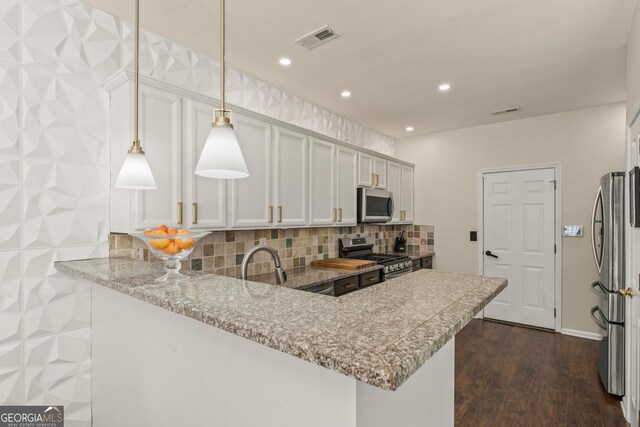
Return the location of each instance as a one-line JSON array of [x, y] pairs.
[[377, 180], [340, 213], [373, 179], [179, 213], [351, 286], [335, 215], [195, 213], [279, 214], [270, 214]]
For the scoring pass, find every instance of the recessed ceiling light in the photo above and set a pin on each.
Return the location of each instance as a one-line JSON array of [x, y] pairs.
[[444, 87], [285, 61], [409, 129], [345, 94]]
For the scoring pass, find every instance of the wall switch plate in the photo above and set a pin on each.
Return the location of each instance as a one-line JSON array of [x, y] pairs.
[[473, 236], [572, 231]]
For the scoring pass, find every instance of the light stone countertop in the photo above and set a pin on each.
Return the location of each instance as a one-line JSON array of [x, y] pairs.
[[379, 335]]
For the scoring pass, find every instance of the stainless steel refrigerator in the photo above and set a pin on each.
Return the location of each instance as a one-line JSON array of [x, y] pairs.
[[608, 250]]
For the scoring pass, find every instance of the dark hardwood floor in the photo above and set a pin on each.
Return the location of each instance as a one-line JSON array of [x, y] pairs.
[[514, 376]]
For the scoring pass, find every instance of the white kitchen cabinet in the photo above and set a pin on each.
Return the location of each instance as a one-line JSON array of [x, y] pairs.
[[160, 124], [205, 208], [406, 201], [322, 179], [250, 198], [365, 170], [346, 186], [394, 185], [290, 177], [380, 172]]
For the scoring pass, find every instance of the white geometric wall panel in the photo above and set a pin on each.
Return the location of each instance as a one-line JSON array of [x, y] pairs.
[[9, 98], [64, 118], [70, 38], [64, 204], [9, 31], [9, 202], [10, 297], [11, 373]]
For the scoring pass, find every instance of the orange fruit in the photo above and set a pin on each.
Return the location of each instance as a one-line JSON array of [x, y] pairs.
[[148, 231], [184, 231], [162, 227], [172, 231], [172, 249], [184, 243], [159, 243]]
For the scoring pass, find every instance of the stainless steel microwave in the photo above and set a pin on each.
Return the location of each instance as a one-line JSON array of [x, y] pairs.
[[374, 206]]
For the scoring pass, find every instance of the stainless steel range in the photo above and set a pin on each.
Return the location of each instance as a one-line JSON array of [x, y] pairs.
[[362, 248]]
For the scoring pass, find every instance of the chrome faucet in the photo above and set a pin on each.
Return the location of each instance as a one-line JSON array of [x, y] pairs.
[[281, 275]]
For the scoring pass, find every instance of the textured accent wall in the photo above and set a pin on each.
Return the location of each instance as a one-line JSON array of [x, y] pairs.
[[54, 177]]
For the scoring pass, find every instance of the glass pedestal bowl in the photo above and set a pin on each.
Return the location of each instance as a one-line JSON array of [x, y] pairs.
[[172, 249]]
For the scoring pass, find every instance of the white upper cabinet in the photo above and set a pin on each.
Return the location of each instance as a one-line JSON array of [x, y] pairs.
[[160, 134], [206, 206], [380, 172], [322, 178], [347, 184], [250, 198], [296, 177], [290, 177], [406, 204], [366, 176], [394, 185]]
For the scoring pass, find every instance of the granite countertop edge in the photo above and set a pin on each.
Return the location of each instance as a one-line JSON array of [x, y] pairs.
[[396, 362]]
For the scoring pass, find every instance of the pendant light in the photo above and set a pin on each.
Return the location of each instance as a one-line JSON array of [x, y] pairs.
[[136, 173], [221, 156]]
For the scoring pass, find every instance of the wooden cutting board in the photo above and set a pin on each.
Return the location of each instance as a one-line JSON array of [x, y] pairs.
[[343, 263]]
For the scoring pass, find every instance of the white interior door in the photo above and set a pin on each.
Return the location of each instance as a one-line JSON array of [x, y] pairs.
[[632, 307], [519, 244]]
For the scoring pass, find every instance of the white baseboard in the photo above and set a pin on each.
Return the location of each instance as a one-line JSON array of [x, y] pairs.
[[582, 334]]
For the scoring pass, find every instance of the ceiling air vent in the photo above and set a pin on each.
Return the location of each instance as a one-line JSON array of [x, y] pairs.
[[508, 110], [317, 38]]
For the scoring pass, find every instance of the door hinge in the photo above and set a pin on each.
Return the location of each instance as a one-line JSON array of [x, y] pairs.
[[554, 312], [555, 185]]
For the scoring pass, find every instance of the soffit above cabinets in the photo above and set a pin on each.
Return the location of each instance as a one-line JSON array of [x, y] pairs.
[[543, 56]]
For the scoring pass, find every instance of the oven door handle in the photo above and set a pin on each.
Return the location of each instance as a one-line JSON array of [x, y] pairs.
[[397, 274], [598, 320]]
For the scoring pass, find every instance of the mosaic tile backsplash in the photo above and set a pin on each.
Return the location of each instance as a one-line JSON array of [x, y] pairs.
[[221, 252]]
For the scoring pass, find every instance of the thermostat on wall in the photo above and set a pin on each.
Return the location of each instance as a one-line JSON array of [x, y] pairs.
[[572, 231]]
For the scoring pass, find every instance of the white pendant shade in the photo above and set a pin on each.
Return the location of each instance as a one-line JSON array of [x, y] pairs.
[[136, 173], [221, 156]]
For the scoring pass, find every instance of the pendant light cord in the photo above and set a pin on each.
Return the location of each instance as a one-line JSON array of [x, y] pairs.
[[136, 140], [222, 46]]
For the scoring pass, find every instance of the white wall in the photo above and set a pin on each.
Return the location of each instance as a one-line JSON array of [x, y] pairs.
[[54, 177], [588, 143]]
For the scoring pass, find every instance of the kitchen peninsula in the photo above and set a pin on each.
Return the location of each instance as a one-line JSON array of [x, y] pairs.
[[203, 352]]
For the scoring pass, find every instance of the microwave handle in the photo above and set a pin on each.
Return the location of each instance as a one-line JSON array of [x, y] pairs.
[[390, 207]]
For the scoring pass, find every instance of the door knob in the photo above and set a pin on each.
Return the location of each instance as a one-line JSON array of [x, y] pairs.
[[488, 253], [626, 292]]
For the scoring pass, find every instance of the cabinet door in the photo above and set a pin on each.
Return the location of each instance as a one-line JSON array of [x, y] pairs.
[[407, 193], [250, 198], [290, 177], [380, 171], [160, 119], [206, 208], [394, 185], [322, 172], [365, 170], [347, 185]]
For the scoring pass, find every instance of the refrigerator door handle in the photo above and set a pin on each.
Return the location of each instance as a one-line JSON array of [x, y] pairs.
[[593, 229], [595, 287], [598, 320]]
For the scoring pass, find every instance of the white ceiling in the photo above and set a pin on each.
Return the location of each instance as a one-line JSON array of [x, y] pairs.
[[544, 56]]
